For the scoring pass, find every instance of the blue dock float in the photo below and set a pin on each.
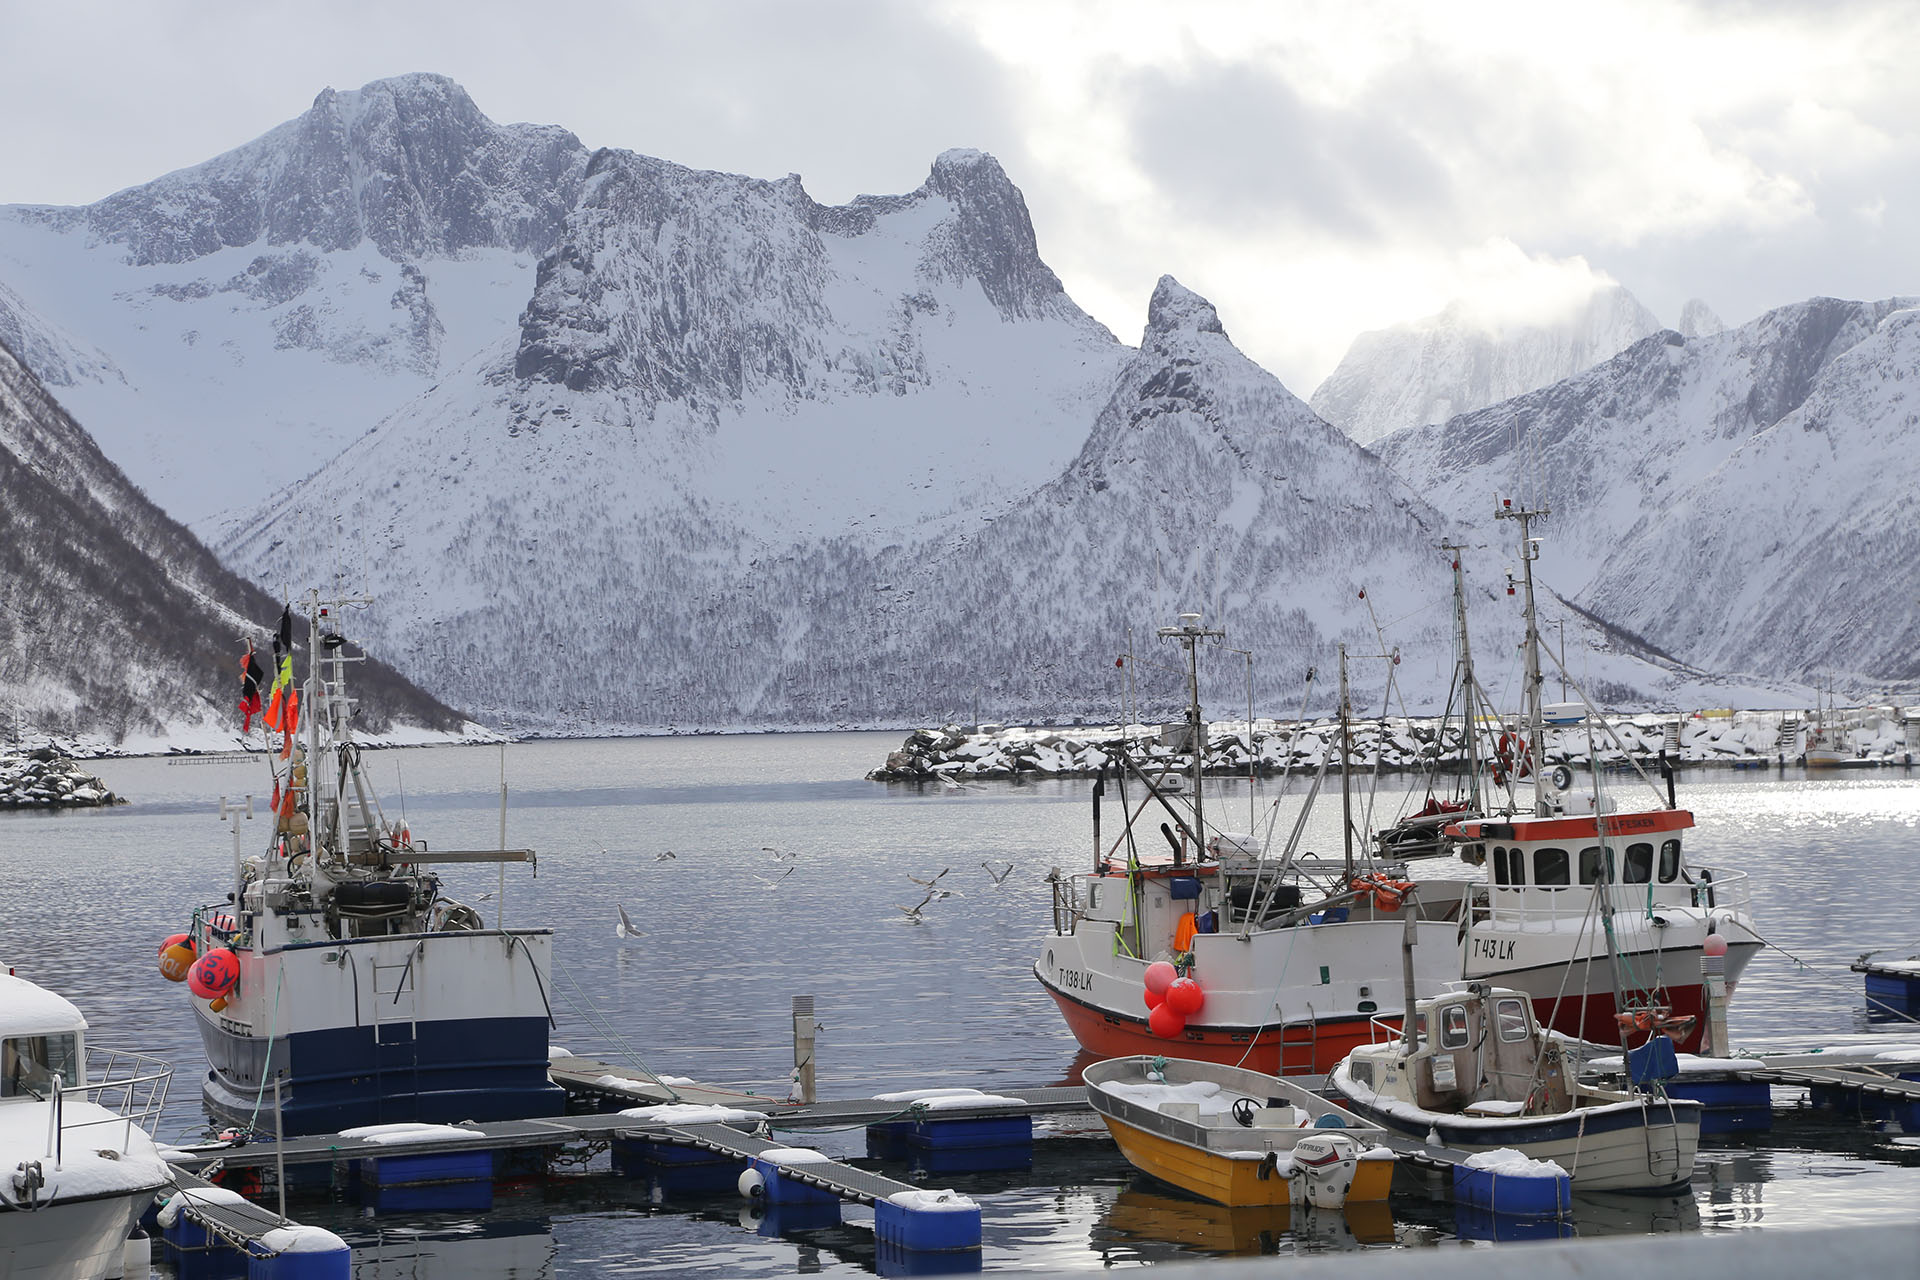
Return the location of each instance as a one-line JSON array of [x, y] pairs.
[[209, 1231], [1893, 987], [1508, 1184]]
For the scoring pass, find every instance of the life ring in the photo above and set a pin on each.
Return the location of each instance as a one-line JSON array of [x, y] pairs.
[[1512, 758], [1387, 894]]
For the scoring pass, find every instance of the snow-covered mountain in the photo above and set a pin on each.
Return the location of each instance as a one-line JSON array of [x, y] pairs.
[[115, 622], [1460, 360], [265, 307], [1745, 501]]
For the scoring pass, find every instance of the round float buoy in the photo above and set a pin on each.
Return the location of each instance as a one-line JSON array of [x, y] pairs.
[[1160, 976], [1165, 1023], [214, 974], [752, 1184], [1185, 997], [1715, 945], [1153, 998], [176, 957]]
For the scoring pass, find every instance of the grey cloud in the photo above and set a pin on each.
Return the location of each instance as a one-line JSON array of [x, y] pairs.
[[1229, 144]]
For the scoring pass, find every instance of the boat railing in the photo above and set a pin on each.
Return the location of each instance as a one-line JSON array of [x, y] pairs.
[[1066, 904], [1726, 890], [131, 1085], [1548, 906]]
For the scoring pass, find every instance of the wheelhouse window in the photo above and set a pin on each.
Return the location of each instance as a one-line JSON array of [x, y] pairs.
[[1453, 1027], [1500, 875], [1669, 861], [1516, 866], [1511, 1017], [1638, 864], [1550, 867], [1596, 865], [29, 1063]]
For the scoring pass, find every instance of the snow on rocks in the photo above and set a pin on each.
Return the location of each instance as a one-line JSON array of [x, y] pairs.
[[957, 753], [42, 778]]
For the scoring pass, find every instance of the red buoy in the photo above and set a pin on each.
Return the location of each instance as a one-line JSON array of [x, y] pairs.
[[214, 974], [1165, 1023], [1160, 976], [1185, 998]]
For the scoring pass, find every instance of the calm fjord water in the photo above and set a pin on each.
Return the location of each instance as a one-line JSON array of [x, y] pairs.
[[728, 940]]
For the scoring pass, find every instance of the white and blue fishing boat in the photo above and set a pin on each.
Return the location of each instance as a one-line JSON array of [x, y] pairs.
[[339, 984], [1476, 1072]]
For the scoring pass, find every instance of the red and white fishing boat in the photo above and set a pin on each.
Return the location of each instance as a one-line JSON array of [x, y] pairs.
[[1591, 909], [1278, 963]]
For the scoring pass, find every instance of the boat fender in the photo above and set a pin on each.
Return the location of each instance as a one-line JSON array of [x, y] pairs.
[[752, 1184], [1562, 777]]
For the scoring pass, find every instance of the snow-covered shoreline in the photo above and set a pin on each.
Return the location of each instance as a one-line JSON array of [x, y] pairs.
[[1744, 739], [44, 778]]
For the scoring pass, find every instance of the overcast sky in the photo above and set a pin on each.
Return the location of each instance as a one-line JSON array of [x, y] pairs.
[[1315, 169]]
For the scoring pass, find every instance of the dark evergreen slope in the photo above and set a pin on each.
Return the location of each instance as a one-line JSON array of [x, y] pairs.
[[115, 621]]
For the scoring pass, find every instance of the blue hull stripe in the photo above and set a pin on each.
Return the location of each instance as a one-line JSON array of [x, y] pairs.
[[458, 1069]]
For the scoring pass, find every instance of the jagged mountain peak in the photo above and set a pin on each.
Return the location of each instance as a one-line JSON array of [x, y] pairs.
[[1464, 358], [1174, 308], [409, 163], [708, 289]]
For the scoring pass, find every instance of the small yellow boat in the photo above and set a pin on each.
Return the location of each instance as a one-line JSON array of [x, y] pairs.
[[1237, 1137]]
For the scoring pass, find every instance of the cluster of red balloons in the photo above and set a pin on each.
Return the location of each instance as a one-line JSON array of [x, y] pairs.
[[1171, 999]]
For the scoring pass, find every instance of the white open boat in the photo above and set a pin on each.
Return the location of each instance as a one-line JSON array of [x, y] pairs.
[[1479, 1073], [78, 1163], [1237, 1137]]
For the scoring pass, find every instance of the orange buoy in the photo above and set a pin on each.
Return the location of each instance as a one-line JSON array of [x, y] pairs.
[[176, 957]]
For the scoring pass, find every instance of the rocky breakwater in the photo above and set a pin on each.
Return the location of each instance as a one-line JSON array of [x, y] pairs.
[[44, 779], [1394, 745]]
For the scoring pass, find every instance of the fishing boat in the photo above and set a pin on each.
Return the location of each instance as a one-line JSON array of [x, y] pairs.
[[1265, 959], [339, 984], [78, 1163], [1477, 1072], [1829, 742], [1591, 909], [1237, 1137]]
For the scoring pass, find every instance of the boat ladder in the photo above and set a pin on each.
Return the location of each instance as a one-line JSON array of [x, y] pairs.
[[1310, 1042]]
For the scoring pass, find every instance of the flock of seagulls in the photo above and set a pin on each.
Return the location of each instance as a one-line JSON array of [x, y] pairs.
[[997, 871]]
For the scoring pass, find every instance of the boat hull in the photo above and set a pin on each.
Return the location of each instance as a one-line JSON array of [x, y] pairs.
[[1645, 1147], [69, 1240], [1579, 1000], [433, 1028], [1291, 1049], [1218, 1160]]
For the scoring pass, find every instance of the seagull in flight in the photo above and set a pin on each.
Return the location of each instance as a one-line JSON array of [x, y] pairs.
[[780, 855], [929, 883], [999, 877], [775, 882], [625, 928], [665, 855]]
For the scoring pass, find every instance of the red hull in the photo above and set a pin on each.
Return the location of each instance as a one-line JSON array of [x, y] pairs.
[[1289, 1050], [1591, 1017]]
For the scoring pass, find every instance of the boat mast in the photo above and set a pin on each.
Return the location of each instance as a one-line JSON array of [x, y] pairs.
[[1466, 671], [1346, 764], [1536, 735], [1189, 633]]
